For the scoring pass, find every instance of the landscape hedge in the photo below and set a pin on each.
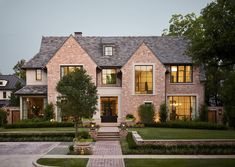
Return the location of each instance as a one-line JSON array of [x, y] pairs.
[[39, 125], [133, 148], [188, 125], [45, 136]]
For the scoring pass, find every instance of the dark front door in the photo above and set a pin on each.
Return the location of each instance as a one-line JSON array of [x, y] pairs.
[[109, 109]]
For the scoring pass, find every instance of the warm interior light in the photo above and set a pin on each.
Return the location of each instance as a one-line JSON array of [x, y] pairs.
[[173, 69]]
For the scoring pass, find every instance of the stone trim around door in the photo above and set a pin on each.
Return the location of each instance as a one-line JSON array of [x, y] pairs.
[[108, 92]]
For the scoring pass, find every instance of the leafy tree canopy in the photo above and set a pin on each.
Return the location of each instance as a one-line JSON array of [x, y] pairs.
[[15, 100], [212, 36], [18, 69], [79, 94]]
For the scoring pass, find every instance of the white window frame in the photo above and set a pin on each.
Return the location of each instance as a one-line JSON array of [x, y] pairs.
[[109, 53], [38, 76], [133, 78]]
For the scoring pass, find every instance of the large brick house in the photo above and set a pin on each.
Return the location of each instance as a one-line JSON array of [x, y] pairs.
[[128, 72]]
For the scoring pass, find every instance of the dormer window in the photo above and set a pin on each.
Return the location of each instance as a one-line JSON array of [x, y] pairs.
[[1, 83], [38, 74], [108, 50]]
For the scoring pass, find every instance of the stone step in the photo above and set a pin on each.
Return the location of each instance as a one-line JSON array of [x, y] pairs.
[[107, 134], [109, 124], [107, 139]]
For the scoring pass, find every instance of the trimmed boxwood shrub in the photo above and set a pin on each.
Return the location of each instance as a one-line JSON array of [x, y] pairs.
[[44, 136], [40, 125], [146, 113], [189, 125]]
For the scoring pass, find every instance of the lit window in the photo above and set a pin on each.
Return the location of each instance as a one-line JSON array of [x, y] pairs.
[[182, 107], [68, 69], [108, 50], [38, 74], [181, 74], [4, 95], [144, 79], [109, 76]]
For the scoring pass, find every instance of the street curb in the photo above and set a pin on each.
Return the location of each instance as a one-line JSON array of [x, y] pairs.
[[35, 164]]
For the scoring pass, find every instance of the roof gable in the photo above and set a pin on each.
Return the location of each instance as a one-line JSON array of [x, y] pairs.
[[169, 50], [11, 82]]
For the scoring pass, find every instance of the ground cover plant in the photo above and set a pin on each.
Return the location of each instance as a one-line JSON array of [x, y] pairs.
[[174, 133], [71, 162], [179, 162]]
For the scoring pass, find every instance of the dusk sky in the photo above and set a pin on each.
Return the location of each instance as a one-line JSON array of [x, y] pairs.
[[24, 22]]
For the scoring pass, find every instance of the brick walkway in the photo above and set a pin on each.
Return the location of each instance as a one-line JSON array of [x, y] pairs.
[[106, 148]]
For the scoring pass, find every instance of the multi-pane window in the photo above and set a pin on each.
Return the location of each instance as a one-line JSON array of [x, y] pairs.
[[4, 95], [68, 69], [108, 50], [109, 76], [38, 74], [181, 74], [182, 107], [144, 79]]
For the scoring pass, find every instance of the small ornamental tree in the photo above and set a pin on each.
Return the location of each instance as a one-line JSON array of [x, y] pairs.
[[3, 117], [48, 112], [146, 113], [163, 113], [79, 96]]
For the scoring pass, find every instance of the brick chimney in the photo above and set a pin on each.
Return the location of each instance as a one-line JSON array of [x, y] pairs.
[[77, 34]]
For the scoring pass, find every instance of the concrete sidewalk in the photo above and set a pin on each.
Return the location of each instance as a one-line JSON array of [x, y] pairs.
[[144, 156]]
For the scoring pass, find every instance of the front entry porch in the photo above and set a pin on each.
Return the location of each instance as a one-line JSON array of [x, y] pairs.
[[109, 109], [32, 107]]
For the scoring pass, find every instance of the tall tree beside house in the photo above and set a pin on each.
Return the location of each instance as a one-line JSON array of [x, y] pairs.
[[18, 69], [78, 96], [228, 92], [212, 36], [15, 100]]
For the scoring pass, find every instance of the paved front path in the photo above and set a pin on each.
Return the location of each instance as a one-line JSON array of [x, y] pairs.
[[106, 148], [21, 154]]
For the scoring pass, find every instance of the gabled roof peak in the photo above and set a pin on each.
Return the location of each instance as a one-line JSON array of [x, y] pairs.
[[169, 49]]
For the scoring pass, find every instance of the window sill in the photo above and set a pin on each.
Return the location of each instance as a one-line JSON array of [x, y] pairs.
[[143, 94], [191, 83]]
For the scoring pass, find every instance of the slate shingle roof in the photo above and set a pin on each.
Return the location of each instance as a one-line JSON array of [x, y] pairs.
[[33, 90], [11, 82], [169, 50]]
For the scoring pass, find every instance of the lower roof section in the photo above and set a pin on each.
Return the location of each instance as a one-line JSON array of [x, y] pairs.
[[33, 90]]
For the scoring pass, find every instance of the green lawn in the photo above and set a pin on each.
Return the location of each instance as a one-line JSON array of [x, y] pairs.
[[58, 129], [71, 162], [173, 133], [180, 162]]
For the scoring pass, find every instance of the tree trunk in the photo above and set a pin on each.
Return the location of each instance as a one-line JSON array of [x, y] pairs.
[[76, 127]]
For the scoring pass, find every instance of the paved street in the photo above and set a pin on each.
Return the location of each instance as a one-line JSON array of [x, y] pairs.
[[21, 154]]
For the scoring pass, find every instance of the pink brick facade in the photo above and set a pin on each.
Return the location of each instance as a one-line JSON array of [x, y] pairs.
[[130, 101], [73, 51], [196, 88], [70, 53]]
